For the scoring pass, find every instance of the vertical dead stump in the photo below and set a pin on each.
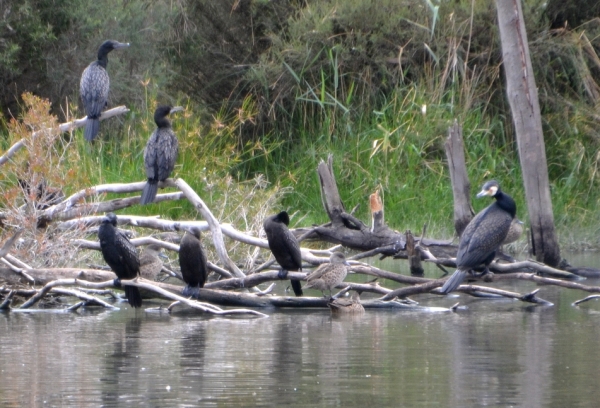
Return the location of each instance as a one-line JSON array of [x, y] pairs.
[[414, 255], [461, 188]]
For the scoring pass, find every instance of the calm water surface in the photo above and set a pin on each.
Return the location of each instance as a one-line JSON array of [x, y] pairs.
[[494, 353]]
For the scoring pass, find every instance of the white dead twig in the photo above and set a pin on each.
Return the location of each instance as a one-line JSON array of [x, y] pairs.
[[215, 227], [55, 285], [205, 307], [64, 127]]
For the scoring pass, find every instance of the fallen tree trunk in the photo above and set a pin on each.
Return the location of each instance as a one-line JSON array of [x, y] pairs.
[[351, 232]]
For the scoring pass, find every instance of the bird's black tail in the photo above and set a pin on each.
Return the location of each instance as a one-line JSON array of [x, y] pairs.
[[453, 281], [134, 297], [296, 286], [92, 126], [149, 192]]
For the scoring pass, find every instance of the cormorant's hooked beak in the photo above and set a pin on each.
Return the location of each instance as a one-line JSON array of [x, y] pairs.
[[117, 45], [489, 192], [176, 109]]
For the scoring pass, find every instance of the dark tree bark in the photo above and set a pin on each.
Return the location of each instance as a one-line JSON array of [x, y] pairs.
[[523, 99]]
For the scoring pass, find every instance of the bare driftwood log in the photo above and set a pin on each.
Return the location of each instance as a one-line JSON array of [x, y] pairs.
[[75, 205], [43, 276], [215, 228], [479, 290], [457, 167], [64, 127], [53, 287], [346, 229]]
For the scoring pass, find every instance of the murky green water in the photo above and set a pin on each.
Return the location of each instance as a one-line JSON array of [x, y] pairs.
[[495, 353]]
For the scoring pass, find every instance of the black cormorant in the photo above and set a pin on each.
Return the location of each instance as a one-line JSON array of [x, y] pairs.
[[285, 247], [483, 235], [121, 256], [94, 87], [192, 261], [327, 276], [160, 153]]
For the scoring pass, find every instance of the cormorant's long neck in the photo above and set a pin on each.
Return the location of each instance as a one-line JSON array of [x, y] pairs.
[[163, 123], [103, 58], [506, 203]]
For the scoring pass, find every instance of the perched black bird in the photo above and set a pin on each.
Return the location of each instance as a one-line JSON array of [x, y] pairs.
[[121, 256], [483, 235], [285, 247], [94, 87], [192, 261], [160, 153]]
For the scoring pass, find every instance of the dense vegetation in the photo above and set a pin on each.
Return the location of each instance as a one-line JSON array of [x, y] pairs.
[[272, 87]]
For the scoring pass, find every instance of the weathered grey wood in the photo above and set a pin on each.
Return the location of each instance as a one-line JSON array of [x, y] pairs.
[[414, 255], [43, 276], [346, 229], [329, 192], [524, 104], [215, 227], [461, 187]]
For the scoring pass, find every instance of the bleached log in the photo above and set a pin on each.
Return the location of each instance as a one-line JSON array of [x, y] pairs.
[[64, 127], [215, 228], [75, 206], [61, 282], [586, 299], [475, 290], [205, 307], [42, 276]]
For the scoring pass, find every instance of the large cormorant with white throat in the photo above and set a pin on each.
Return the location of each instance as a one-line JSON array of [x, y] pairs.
[[483, 235]]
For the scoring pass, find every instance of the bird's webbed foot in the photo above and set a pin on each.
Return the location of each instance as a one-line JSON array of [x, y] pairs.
[[482, 273], [117, 282], [282, 274], [191, 291]]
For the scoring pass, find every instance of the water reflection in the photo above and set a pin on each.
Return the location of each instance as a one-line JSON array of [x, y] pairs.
[[494, 353], [121, 366]]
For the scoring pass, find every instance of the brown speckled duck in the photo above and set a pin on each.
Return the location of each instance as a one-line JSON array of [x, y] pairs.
[[150, 263], [514, 232], [346, 305], [328, 276]]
